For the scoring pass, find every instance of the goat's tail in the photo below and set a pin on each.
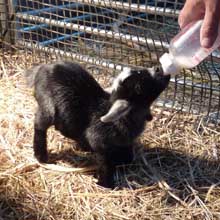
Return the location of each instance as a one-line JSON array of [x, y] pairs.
[[30, 75]]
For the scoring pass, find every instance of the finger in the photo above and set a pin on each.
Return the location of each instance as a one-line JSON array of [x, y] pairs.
[[209, 30], [192, 11]]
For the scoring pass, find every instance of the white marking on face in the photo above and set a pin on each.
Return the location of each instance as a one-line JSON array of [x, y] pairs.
[[151, 71], [120, 78]]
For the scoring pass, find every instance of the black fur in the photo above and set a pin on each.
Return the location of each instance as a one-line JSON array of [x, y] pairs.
[[69, 98]]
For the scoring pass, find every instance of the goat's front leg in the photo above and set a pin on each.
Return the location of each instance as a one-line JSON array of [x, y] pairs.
[[105, 171], [114, 157], [106, 176], [41, 124]]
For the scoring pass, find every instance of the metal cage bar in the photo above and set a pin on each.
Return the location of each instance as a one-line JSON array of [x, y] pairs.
[[114, 34]]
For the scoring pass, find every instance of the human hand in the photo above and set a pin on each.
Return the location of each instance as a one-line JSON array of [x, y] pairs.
[[209, 10]]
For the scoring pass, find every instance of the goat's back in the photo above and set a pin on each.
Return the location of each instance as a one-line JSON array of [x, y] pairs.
[[68, 93]]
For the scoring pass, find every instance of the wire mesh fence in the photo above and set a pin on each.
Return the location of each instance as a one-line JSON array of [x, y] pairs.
[[110, 35]]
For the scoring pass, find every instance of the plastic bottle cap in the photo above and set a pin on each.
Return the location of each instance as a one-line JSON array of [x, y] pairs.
[[168, 65]]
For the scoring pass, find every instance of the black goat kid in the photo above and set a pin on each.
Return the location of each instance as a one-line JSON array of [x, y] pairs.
[[104, 121]]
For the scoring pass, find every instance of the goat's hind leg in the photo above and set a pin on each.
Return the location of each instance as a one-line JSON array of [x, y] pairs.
[[41, 123]]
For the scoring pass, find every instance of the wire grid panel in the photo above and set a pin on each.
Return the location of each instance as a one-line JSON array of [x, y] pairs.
[[3, 15], [113, 34], [94, 28]]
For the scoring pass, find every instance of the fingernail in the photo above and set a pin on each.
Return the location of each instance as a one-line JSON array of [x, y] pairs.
[[206, 42], [181, 23]]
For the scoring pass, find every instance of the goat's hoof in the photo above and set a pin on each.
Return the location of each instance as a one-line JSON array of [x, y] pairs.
[[106, 183], [42, 158]]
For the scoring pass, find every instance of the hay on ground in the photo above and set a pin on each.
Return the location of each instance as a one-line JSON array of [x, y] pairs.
[[175, 173]]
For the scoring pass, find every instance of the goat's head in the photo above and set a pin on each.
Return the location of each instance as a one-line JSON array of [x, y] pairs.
[[135, 88]]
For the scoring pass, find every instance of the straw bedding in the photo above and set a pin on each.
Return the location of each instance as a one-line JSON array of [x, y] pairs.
[[175, 173]]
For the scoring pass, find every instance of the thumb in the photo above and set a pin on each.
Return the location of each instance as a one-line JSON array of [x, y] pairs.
[[209, 30], [192, 11]]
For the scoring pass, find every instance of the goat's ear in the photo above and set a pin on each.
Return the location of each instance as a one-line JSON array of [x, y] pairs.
[[118, 109], [109, 90]]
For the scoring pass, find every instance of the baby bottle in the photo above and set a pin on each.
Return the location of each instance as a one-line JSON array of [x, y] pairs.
[[185, 50]]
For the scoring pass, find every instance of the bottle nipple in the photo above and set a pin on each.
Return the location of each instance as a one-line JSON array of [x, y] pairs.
[[168, 64]]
